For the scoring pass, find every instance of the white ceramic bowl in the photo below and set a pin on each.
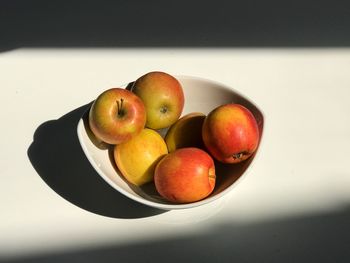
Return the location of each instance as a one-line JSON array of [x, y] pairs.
[[201, 95]]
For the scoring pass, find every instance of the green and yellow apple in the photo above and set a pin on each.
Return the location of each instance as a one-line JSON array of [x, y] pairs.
[[186, 132], [116, 116], [230, 133], [137, 158], [185, 175], [162, 96]]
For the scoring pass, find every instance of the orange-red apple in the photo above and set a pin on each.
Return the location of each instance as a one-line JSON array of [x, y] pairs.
[[230, 133], [117, 115], [186, 132], [185, 175], [163, 97]]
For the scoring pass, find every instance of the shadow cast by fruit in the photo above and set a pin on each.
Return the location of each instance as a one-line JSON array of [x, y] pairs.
[[57, 156]]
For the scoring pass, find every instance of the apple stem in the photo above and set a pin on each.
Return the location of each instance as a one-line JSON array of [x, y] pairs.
[[120, 106]]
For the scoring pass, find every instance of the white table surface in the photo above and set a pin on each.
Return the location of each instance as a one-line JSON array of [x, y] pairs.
[[293, 206]]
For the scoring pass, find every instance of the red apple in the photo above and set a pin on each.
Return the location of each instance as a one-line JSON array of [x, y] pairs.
[[163, 97], [230, 133], [116, 116], [185, 175]]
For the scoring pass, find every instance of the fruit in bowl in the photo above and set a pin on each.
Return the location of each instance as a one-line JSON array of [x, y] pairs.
[[231, 133], [185, 175], [116, 116], [203, 96], [163, 97], [138, 157], [186, 132]]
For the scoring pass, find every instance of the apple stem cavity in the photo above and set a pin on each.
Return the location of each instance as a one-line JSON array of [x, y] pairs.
[[211, 173]]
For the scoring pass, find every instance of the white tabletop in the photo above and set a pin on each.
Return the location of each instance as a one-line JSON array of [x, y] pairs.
[[293, 206]]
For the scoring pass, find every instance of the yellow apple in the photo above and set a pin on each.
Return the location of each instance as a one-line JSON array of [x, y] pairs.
[[186, 132], [137, 158]]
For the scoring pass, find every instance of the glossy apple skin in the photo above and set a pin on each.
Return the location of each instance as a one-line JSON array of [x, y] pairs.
[[186, 132], [111, 127], [163, 97], [185, 175], [137, 158], [230, 133]]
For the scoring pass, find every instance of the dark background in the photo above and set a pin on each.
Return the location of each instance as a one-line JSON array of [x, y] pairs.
[[180, 23]]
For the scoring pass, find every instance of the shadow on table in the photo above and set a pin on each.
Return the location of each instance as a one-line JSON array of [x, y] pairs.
[[313, 238], [58, 158]]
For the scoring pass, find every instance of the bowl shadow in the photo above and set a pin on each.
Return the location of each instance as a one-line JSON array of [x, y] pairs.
[[59, 160]]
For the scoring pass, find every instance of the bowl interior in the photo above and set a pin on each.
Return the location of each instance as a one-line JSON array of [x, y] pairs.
[[201, 95]]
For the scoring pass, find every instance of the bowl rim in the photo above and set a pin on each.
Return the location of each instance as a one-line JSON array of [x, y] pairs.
[[140, 199]]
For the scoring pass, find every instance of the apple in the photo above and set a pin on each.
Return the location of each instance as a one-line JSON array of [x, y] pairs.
[[230, 133], [185, 175], [162, 96], [117, 115], [136, 158], [186, 132]]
